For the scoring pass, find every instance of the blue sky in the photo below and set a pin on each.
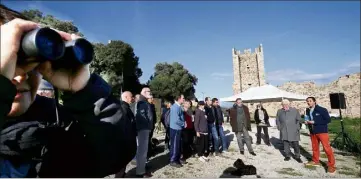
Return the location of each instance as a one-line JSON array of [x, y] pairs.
[[302, 41]]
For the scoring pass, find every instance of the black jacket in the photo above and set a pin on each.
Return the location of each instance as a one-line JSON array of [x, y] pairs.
[[218, 115], [266, 117], [143, 114], [87, 141], [210, 115], [152, 106]]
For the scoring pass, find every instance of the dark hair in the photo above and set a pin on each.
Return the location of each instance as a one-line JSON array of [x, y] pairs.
[[178, 97], [207, 98], [311, 97], [189, 101], [7, 14], [214, 100], [238, 99]]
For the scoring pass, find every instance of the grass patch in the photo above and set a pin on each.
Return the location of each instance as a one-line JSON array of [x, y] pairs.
[[352, 128], [310, 167], [349, 173], [289, 171]]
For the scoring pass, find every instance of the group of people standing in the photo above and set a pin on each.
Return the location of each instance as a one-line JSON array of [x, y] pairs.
[[204, 126], [200, 131], [193, 131]]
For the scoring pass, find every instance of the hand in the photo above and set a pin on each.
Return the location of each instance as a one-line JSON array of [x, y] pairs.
[[11, 34], [66, 79], [198, 134], [310, 122], [185, 125]]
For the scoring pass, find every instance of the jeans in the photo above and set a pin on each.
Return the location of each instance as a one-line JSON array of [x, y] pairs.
[[215, 130], [175, 145], [142, 150], [8, 170], [223, 138], [213, 134]]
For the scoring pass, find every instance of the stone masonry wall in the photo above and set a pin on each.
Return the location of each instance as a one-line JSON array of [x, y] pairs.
[[349, 84], [248, 69]]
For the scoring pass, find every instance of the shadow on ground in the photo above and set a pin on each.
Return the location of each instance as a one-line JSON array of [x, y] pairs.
[[154, 164], [278, 144]]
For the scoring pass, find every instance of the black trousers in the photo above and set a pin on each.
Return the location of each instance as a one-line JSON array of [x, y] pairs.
[[167, 138], [187, 142], [150, 146], [265, 130], [202, 144]]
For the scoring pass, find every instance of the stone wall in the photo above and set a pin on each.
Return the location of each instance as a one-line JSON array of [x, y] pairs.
[[349, 84], [248, 69]]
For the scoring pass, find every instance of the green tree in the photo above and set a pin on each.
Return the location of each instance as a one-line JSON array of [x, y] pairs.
[[115, 62], [121, 64], [49, 20], [171, 80]]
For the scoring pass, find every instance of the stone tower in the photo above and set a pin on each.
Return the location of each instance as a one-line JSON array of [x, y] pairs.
[[248, 69]]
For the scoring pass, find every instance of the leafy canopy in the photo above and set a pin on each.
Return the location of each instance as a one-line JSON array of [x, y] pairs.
[[171, 80]]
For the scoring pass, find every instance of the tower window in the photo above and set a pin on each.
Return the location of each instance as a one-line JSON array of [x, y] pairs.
[[248, 67], [249, 84]]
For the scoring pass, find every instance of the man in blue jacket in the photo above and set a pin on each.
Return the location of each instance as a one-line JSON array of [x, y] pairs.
[[318, 119], [176, 125]]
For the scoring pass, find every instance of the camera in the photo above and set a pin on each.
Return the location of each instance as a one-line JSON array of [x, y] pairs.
[[47, 45]]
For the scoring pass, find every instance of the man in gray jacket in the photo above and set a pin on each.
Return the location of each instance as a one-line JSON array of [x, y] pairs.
[[144, 122], [288, 121]]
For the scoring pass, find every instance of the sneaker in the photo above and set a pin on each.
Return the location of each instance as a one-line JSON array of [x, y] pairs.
[[312, 163], [242, 152], [252, 153], [331, 170], [145, 175], [201, 159], [183, 162], [205, 158], [298, 160], [258, 143], [287, 159], [176, 165]]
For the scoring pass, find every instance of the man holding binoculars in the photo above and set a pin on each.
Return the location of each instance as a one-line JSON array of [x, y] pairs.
[[89, 136]]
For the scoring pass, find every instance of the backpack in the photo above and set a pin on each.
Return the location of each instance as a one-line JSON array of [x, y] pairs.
[[167, 118]]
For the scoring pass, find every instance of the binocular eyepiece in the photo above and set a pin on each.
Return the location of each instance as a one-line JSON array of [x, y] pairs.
[[47, 45]]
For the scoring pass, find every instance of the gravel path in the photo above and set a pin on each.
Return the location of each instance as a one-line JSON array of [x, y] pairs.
[[269, 161]]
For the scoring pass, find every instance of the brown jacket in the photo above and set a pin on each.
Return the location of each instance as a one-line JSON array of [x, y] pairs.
[[233, 118]]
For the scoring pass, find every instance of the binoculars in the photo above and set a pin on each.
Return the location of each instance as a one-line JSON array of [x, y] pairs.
[[47, 45]]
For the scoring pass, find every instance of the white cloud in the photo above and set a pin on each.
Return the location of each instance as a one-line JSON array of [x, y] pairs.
[[216, 74], [221, 76], [299, 75]]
